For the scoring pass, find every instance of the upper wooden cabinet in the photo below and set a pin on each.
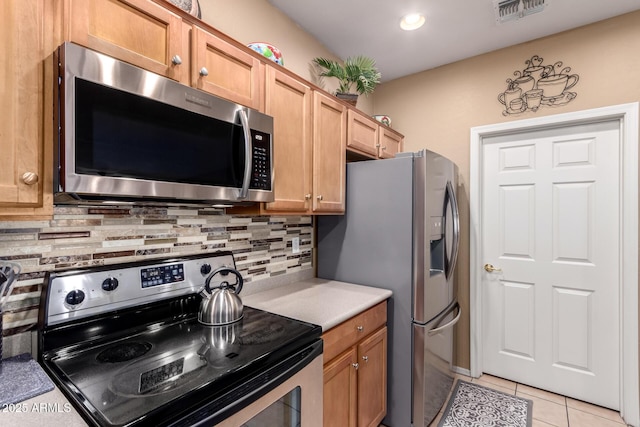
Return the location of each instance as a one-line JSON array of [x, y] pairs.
[[329, 154], [310, 136], [146, 34], [389, 143], [140, 32], [25, 102], [362, 133], [220, 68], [368, 137], [309, 148], [290, 103]]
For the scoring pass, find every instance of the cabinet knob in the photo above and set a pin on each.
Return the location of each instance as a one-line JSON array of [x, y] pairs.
[[29, 178], [307, 196], [204, 72], [319, 197], [360, 328], [377, 145], [365, 358], [176, 60], [384, 147], [355, 365]]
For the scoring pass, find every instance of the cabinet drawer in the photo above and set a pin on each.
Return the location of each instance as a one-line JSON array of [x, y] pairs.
[[348, 333]]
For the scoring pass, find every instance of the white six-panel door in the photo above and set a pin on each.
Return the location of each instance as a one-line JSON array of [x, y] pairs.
[[550, 204]]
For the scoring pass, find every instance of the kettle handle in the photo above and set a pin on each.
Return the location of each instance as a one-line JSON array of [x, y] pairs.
[[237, 286]]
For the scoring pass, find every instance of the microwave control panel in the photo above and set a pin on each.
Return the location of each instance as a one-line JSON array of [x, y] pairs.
[[261, 172]]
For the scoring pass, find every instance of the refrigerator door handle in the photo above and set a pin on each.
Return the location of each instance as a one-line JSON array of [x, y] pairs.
[[448, 325], [455, 217]]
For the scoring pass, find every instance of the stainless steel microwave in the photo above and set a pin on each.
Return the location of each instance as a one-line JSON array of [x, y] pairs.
[[126, 134]]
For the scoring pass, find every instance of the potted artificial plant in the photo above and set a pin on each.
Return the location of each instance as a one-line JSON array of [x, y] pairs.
[[359, 70]]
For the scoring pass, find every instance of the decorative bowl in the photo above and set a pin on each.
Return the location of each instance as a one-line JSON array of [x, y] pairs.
[[268, 51], [190, 6], [385, 120]]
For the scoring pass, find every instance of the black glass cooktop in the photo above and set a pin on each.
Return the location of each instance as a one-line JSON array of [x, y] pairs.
[[125, 379]]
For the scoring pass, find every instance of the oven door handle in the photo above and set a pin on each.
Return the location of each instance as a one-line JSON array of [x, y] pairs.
[[248, 154]]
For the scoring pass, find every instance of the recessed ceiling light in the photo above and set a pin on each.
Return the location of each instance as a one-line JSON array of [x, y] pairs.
[[412, 21]]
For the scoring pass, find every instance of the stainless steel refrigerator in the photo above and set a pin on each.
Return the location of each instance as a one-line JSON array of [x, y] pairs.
[[401, 232]]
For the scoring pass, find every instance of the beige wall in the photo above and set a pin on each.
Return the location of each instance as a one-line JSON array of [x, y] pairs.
[[250, 21], [436, 109]]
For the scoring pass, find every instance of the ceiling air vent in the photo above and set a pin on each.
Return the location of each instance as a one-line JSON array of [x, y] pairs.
[[508, 10]]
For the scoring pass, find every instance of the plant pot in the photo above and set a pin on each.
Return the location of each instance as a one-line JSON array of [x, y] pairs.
[[350, 98]]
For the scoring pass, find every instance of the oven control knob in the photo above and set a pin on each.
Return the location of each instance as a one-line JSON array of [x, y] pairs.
[[74, 297], [109, 284], [205, 269]]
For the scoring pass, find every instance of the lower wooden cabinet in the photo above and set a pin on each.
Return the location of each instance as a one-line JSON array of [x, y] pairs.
[[355, 380], [372, 378], [340, 396]]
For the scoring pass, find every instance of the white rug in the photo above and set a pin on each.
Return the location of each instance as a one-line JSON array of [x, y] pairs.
[[472, 405]]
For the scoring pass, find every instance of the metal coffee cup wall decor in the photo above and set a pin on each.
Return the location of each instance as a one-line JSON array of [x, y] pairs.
[[538, 86]]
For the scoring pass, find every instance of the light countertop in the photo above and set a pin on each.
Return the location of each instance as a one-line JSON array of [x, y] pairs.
[[320, 301]]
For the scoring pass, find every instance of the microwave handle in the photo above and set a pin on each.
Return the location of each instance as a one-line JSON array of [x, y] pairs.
[[248, 154]]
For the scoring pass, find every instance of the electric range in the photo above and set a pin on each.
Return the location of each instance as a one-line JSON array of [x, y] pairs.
[[124, 344]]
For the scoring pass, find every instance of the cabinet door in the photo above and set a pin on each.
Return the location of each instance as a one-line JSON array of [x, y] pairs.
[[220, 68], [329, 154], [289, 102], [340, 391], [362, 133], [390, 143], [23, 172], [140, 32], [372, 379]]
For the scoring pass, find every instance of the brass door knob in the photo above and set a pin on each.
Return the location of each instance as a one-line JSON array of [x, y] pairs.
[[491, 269]]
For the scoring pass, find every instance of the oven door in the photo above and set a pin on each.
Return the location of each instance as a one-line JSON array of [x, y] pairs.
[[296, 402], [286, 394]]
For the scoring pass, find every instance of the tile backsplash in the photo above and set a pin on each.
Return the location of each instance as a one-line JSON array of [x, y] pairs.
[[88, 236]]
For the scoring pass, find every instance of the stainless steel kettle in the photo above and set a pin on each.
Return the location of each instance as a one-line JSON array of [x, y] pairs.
[[221, 305]]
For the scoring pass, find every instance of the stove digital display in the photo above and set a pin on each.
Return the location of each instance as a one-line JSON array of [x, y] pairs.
[[154, 276], [156, 377]]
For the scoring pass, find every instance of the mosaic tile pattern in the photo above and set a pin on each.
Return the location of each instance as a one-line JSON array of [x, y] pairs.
[[88, 236]]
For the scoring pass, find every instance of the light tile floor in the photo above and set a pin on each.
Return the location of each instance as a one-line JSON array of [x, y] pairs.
[[550, 409]]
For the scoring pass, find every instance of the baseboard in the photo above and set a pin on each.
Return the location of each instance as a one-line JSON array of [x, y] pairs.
[[461, 371]]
